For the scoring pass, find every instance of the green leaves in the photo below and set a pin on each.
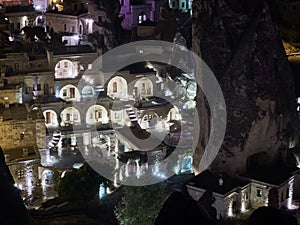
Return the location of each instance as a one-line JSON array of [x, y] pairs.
[[141, 205]]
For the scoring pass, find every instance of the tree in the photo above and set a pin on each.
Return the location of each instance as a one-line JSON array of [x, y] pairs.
[[32, 33], [141, 205], [81, 184]]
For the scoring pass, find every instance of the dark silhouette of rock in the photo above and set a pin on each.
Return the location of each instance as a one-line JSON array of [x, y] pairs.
[[13, 211], [243, 48], [271, 216], [273, 198], [166, 27], [205, 203], [181, 209]]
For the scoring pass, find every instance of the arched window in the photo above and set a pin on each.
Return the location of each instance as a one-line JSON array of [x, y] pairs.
[[143, 87], [65, 69], [69, 93], [50, 118], [88, 91], [96, 114], [117, 88], [142, 17], [70, 115]]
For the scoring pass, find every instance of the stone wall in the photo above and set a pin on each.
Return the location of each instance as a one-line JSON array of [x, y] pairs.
[[18, 134]]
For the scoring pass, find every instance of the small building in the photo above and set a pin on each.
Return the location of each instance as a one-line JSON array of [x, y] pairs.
[[181, 5], [235, 195], [78, 17], [20, 16], [269, 181], [231, 194], [19, 124], [23, 164], [138, 11]]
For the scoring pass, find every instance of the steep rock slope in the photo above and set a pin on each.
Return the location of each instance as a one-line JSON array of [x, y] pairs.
[[243, 48]]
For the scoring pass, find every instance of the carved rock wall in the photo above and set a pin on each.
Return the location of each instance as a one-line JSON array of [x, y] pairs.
[[243, 48]]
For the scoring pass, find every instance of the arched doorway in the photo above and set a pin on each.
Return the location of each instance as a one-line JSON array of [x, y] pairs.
[[69, 93], [143, 88], [47, 177], [96, 114], [70, 116], [174, 114], [40, 21], [88, 92], [50, 118], [65, 69], [117, 88], [142, 17], [149, 120]]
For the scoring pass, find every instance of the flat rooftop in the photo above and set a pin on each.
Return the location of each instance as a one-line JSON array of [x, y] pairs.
[[210, 181], [275, 175], [78, 49]]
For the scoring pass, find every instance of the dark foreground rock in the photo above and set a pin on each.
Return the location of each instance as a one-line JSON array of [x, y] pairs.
[[13, 210]]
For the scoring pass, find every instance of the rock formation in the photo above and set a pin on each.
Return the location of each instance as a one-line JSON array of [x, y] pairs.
[[239, 42]]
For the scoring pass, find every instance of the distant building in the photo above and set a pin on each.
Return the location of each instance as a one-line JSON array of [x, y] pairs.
[[19, 18], [23, 164], [10, 3], [135, 12], [289, 20], [82, 17], [181, 5]]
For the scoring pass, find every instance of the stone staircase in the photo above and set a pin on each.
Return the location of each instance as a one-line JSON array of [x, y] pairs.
[[131, 114], [55, 139]]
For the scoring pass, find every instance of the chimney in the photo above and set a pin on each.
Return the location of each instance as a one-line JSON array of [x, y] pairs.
[[221, 181], [7, 158], [6, 102], [25, 152]]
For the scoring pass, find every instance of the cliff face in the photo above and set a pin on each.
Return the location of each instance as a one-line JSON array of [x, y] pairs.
[[243, 48]]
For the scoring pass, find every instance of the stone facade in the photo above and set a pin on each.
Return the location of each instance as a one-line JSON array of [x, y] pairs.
[[25, 173], [20, 63], [69, 23], [232, 195], [18, 126], [18, 20], [250, 194], [10, 96]]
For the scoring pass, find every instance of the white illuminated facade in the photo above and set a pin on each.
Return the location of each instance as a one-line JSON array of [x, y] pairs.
[[117, 88], [66, 69], [234, 196], [97, 114], [50, 118], [70, 93], [70, 116]]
